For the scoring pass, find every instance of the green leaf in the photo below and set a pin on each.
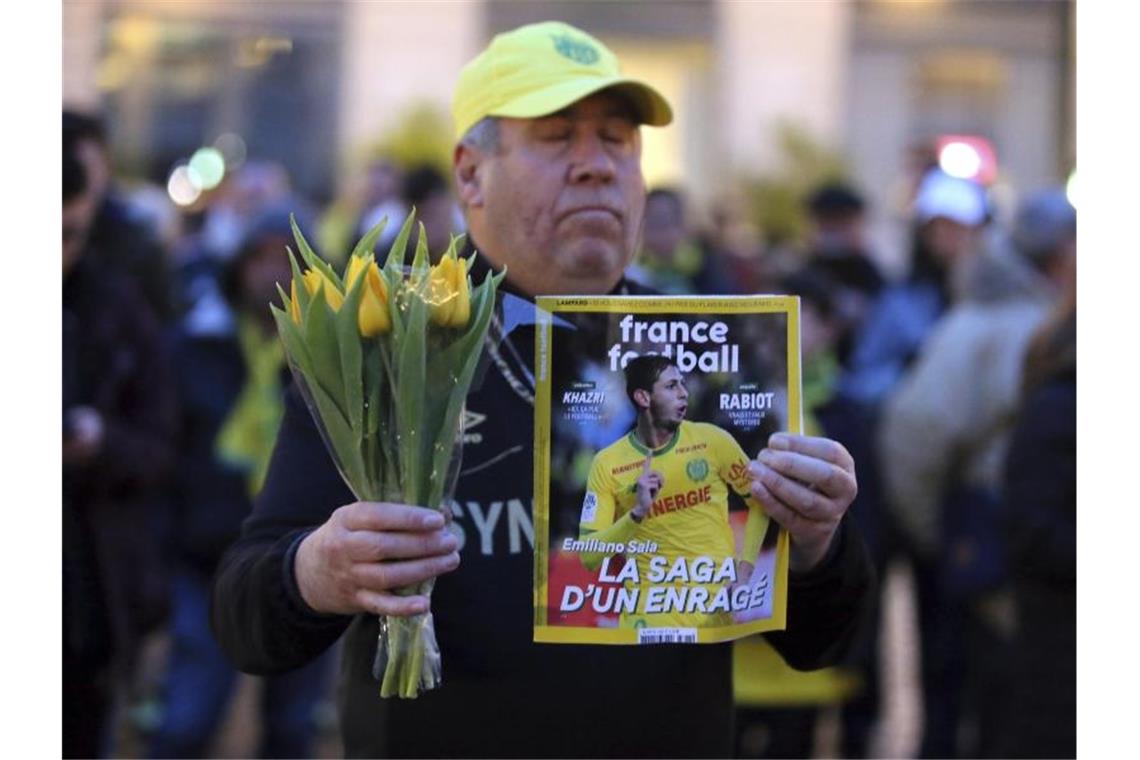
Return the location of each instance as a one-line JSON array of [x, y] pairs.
[[310, 256], [396, 293], [456, 365], [365, 245], [456, 245], [375, 380], [321, 340], [399, 249], [342, 443], [411, 374], [348, 342], [291, 339], [421, 262], [303, 296]]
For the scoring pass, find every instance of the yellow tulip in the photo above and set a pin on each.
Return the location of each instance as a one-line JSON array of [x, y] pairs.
[[450, 297], [373, 317], [356, 265], [315, 280], [294, 307]]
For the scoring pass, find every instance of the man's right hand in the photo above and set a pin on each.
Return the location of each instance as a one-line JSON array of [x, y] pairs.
[[648, 484], [365, 551]]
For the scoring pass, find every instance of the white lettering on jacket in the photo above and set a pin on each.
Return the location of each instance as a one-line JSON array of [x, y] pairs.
[[489, 525]]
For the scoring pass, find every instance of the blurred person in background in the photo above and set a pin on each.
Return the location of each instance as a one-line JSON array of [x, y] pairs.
[[383, 197], [777, 708], [203, 257], [121, 235], [153, 207], [1040, 532], [117, 424], [241, 197], [343, 221], [671, 259], [837, 220], [837, 246], [427, 191], [230, 379], [943, 439], [949, 216], [736, 247]]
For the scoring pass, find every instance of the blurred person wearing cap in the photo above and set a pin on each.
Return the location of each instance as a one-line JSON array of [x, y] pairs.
[[229, 380], [202, 258], [117, 414], [1039, 506], [547, 170], [949, 217], [837, 246], [942, 443], [120, 235], [837, 219]]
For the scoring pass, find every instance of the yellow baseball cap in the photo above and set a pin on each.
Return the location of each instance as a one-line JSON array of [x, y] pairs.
[[538, 69]]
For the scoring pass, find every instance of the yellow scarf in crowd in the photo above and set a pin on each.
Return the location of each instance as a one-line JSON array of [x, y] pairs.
[[761, 678], [245, 440]]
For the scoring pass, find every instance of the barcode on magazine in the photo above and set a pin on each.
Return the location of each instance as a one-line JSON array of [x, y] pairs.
[[667, 636]]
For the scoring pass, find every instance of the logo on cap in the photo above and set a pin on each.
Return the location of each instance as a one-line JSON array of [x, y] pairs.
[[579, 52]]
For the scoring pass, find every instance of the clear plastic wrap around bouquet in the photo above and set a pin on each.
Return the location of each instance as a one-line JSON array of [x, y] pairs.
[[384, 358]]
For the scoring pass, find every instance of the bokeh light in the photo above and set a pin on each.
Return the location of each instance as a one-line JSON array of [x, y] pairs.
[[210, 167], [184, 186], [959, 159], [1071, 188]]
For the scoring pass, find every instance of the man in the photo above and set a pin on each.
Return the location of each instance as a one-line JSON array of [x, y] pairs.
[[116, 235], [547, 171], [950, 218], [229, 382], [945, 430], [117, 424], [672, 259], [665, 501]]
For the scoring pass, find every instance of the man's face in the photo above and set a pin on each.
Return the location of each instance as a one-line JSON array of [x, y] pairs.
[[669, 400], [560, 203]]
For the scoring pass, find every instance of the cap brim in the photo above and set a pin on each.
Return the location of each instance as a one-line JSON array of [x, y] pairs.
[[651, 106]]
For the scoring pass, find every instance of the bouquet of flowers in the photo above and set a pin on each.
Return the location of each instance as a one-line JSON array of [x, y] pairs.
[[384, 358]]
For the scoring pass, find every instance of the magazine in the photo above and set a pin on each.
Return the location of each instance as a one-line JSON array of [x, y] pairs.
[[647, 413]]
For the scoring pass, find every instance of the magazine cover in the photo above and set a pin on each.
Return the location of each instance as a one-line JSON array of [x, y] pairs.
[[647, 412]]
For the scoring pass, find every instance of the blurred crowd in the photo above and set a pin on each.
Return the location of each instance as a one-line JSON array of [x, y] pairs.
[[954, 388]]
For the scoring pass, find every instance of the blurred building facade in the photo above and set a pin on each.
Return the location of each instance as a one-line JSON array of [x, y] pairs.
[[311, 83]]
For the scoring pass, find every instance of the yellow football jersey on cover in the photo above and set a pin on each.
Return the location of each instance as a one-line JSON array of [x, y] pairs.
[[688, 517]]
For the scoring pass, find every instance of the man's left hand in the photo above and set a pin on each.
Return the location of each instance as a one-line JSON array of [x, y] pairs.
[[805, 484]]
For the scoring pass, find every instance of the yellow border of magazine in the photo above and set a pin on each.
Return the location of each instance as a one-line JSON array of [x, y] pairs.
[[547, 306]]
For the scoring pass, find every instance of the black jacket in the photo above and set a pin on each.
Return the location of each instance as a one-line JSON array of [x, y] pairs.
[[209, 498], [1041, 507], [112, 511], [502, 695]]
